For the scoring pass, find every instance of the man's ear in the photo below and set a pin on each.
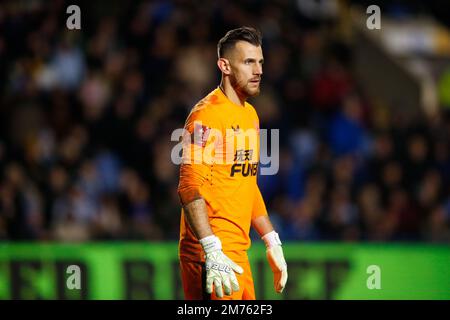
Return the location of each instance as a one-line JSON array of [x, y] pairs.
[[224, 65]]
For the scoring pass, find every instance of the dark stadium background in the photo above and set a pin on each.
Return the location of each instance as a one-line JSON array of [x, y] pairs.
[[86, 117]]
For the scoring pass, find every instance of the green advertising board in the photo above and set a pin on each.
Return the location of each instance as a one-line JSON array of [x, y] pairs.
[[150, 271]]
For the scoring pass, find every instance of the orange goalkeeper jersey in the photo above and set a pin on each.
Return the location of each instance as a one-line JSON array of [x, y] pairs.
[[220, 163]]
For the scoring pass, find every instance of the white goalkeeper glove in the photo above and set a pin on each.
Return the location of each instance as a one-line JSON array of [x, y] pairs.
[[219, 268], [276, 260]]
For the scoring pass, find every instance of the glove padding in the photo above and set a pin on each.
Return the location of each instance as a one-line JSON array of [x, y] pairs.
[[277, 263], [278, 266], [220, 270]]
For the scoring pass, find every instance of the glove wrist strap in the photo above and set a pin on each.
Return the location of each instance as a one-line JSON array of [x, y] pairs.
[[211, 244], [271, 239]]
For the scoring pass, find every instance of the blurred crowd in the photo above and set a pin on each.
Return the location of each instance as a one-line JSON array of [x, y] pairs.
[[86, 118]]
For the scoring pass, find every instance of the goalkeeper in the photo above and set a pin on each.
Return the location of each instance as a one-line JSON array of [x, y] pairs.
[[218, 190]]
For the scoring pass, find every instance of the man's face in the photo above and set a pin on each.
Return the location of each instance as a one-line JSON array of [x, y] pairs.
[[246, 62]]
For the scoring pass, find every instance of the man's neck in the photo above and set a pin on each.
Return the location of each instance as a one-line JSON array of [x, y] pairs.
[[231, 94]]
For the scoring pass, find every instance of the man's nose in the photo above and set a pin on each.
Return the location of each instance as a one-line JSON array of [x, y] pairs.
[[258, 69]]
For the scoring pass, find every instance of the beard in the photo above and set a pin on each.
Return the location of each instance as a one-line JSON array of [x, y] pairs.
[[246, 88], [251, 90]]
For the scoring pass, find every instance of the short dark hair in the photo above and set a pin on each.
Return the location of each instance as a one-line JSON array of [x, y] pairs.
[[247, 34]]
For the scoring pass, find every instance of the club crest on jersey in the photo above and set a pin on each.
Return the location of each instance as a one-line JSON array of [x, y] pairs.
[[201, 134]]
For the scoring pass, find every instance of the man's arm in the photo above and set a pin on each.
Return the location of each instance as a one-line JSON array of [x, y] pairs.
[[197, 217], [261, 223], [193, 172], [220, 270], [192, 176]]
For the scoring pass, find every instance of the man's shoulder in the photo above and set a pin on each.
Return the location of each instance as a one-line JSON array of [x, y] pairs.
[[210, 101], [249, 105], [252, 108], [208, 106]]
